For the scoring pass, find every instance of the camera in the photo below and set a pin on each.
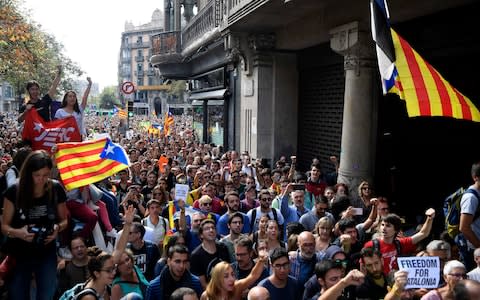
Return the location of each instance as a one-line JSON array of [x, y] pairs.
[[41, 233]]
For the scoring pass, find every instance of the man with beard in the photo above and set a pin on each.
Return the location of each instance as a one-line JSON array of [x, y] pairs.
[[303, 260], [375, 284], [173, 276], [310, 219], [232, 200], [244, 260]]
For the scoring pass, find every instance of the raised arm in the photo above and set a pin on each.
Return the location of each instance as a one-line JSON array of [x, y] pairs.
[[122, 240], [86, 93], [426, 228], [243, 284], [52, 92]]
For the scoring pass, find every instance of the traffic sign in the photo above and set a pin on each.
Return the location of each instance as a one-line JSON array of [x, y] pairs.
[[128, 87]]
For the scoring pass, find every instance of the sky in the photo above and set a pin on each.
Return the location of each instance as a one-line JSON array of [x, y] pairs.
[[90, 30]]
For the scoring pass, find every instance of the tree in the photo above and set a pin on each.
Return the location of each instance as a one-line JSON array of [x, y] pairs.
[[27, 52], [108, 98]]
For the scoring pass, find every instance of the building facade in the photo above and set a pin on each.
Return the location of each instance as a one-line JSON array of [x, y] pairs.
[[7, 97], [301, 77], [134, 66]]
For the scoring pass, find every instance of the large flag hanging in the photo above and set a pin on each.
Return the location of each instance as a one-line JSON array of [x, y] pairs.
[[405, 73], [168, 124], [44, 135], [83, 163]]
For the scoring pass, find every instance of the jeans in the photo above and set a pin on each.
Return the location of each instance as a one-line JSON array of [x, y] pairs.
[[45, 271]]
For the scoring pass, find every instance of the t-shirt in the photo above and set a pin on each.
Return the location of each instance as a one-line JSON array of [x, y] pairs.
[[40, 215], [202, 262], [42, 106], [469, 205], [62, 114], [146, 258], [389, 252], [290, 291]]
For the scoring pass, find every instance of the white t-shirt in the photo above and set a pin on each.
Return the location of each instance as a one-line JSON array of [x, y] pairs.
[[62, 114]]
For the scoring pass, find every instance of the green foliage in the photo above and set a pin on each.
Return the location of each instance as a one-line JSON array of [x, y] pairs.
[[28, 53], [108, 98]]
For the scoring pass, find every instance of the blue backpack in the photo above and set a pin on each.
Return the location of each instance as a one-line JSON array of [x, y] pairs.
[[77, 292], [451, 210]]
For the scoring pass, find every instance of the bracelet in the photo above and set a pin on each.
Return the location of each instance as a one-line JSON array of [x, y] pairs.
[[9, 233]]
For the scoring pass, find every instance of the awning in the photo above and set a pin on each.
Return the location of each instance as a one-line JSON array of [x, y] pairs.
[[217, 94]]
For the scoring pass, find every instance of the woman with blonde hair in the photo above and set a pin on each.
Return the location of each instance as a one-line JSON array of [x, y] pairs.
[[224, 285], [323, 234]]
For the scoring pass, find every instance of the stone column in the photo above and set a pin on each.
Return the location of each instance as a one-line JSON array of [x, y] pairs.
[[360, 106]]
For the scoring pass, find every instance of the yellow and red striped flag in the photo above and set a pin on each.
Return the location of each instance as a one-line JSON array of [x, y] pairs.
[[87, 162], [122, 114], [405, 73], [168, 124]]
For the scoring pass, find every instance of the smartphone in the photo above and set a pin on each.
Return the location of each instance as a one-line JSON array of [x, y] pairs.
[[298, 186], [357, 211]]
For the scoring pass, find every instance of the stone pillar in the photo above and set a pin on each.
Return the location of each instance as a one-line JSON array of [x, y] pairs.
[[357, 157], [177, 15]]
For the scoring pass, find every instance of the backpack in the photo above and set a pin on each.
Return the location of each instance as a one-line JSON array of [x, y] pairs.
[[451, 210], [398, 246], [77, 292], [254, 217]]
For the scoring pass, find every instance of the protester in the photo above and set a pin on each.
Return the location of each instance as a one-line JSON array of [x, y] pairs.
[[33, 215]]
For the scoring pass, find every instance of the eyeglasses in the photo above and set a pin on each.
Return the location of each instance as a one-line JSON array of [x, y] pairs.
[[207, 203], [284, 266], [110, 270], [459, 275]]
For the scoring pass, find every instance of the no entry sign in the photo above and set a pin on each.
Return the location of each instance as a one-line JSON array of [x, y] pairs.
[[128, 87]]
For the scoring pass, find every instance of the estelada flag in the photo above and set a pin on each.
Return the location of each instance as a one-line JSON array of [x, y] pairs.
[[168, 124], [405, 73], [44, 135], [87, 162]]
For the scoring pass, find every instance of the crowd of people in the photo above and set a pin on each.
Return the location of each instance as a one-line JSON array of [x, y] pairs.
[[246, 230]]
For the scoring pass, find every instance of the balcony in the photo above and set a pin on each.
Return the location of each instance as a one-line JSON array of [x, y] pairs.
[[203, 24], [166, 48], [139, 73], [126, 59], [151, 72], [139, 58]]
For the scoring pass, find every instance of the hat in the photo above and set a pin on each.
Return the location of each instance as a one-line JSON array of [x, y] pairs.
[[332, 251]]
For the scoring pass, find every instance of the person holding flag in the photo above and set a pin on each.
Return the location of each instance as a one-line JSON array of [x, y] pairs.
[[41, 105]]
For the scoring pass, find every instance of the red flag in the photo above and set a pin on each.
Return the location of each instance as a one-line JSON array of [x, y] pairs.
[[44, 135]]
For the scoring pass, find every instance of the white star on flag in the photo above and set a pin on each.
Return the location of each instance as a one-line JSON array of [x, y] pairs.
[[38, 126]]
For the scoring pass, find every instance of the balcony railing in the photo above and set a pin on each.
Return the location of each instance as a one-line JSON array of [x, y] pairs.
[[140, 45], [139, 58], [206, 19], [167, 43], [139, 73], [237, 9]]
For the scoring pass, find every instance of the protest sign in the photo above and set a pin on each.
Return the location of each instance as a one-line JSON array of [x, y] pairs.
[[181, 192], [423, 272]]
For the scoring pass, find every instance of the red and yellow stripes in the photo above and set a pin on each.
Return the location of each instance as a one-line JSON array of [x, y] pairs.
[[80, 164], [425, 91], [122, 114]]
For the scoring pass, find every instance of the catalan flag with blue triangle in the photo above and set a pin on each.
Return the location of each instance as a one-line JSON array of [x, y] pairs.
[[405, 73]]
